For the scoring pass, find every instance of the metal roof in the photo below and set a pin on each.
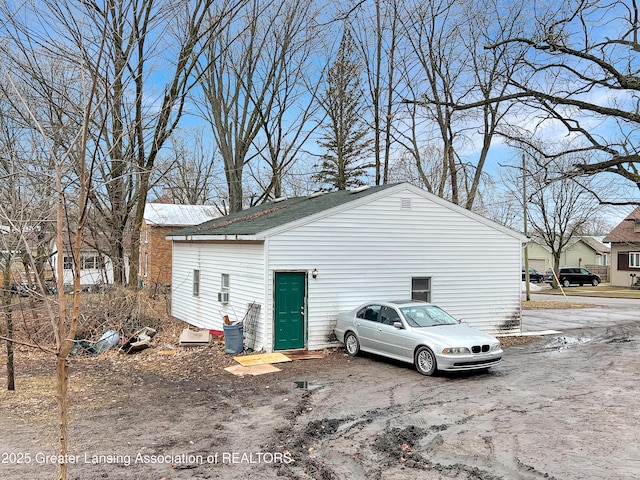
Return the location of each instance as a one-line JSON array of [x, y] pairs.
[[172, 215]]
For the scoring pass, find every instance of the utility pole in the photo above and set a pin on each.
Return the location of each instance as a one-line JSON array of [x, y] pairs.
[[526, 229]]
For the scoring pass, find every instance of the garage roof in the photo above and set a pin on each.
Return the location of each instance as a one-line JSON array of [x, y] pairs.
[[276, 213]]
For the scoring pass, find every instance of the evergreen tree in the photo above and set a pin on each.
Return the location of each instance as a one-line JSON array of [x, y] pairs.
[[345, 134]]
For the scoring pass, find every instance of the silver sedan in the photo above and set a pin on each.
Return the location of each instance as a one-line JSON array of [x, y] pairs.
[[419, 333]]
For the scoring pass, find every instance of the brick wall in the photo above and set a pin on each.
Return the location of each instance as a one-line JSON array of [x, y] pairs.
[[155, 255]]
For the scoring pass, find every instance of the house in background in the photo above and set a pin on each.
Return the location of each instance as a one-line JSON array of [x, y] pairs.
[[625, 251], [155, 250], [585, 251], [96, 267], [304, 259]]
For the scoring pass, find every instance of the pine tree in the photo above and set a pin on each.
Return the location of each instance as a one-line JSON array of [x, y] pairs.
[[345, 134]]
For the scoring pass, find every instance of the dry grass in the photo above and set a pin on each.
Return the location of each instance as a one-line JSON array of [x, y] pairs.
[[517, 340], [532, 304]]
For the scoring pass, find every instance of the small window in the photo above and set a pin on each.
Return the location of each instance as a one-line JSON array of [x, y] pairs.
[[634, 259], [370, 312], [92, 262], [224, 282], [146, 264], [68, 263], [421, 288], [196, 283], [88, 262]]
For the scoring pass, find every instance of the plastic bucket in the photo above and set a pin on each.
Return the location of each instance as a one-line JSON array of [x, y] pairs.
[[108, 340], [233, 340]]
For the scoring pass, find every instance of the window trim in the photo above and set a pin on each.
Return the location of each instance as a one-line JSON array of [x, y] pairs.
[[634, 259]]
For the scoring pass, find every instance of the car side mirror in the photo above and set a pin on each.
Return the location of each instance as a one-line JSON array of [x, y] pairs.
[[398, 325]]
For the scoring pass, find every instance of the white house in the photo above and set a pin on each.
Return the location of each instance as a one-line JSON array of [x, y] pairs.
[[96, 268], [304, 259]]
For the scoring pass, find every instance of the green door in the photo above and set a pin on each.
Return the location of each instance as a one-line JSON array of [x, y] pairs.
[[289, 310]]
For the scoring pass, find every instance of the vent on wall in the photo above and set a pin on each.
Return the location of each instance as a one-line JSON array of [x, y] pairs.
[[405, 203]]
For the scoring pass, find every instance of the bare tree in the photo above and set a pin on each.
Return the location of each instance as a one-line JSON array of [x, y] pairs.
[[448, 66], [9, 241], [581, 76], [558, 207], [377, 33], [245, 85], [73, 86], [139, 133], [135, 116], [64, 322], [287, 125], [433, 31], [489, 68], [190, 171]]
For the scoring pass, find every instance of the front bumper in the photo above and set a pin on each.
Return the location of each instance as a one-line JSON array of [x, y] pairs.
[[469, 362]]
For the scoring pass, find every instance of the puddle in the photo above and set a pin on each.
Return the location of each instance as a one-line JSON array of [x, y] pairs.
[[308, 385], [566, 342]]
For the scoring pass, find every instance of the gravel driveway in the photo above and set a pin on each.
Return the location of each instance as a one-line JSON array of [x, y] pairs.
[[562, 406]]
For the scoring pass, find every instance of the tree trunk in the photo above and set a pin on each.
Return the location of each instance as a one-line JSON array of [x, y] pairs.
[[235, 190], [8, 312], [62, 396]]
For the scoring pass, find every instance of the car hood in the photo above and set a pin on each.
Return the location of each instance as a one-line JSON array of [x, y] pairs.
[[455, 335]]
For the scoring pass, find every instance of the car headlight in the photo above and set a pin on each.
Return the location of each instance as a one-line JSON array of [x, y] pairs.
[[456, 351], [495, 348]]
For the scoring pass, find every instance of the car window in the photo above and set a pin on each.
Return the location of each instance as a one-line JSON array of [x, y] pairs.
[[388, 315], [370, 312], [584, 271], [427, 316]]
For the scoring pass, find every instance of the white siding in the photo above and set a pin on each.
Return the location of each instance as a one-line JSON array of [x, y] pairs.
[[89, 277], [245, 265], [373, 250]]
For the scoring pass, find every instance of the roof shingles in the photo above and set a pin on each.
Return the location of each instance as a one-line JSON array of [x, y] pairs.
[[627, 231], [274, 214]]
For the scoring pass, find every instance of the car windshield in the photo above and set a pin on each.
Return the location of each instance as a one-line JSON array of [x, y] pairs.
[[427, 316]]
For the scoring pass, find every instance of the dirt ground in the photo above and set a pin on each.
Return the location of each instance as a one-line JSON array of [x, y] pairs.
[[562, 407]]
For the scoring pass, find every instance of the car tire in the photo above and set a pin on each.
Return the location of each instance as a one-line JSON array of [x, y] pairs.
[[566, 283], [351, 344], [595, 282], [425, 361]]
